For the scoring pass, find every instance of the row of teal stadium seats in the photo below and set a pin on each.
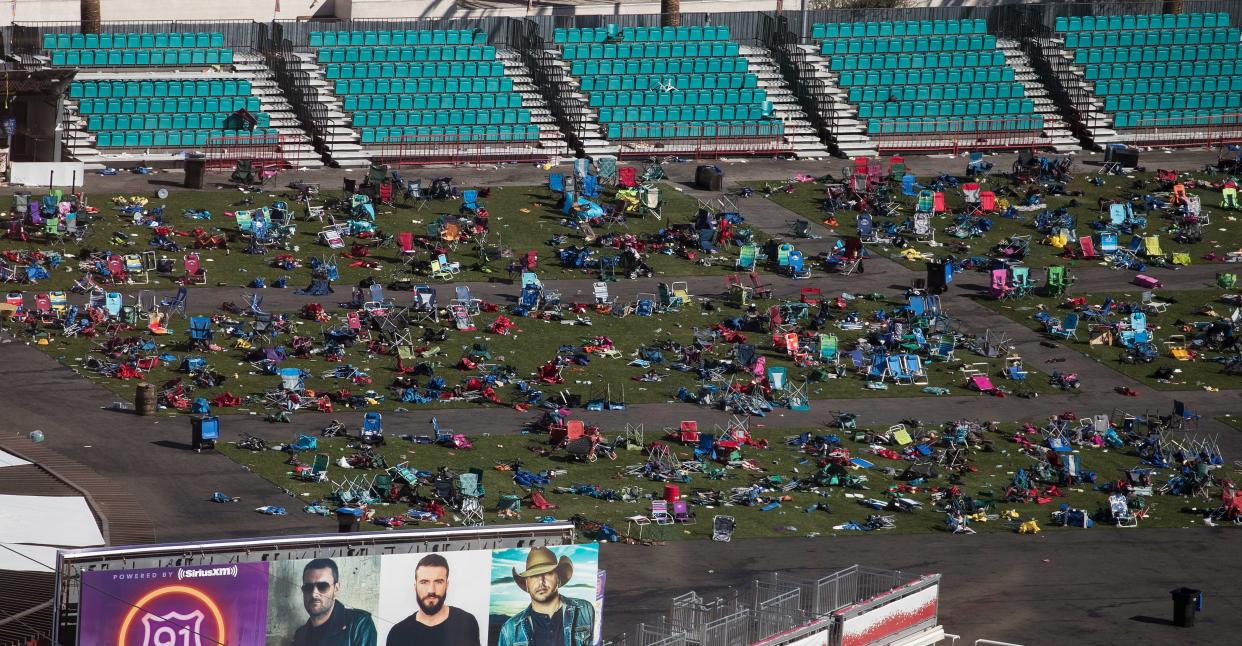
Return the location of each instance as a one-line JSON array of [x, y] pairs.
[[397, 37], [918, 61], [449, 135], [382, 118], [456, 101], [140, 57], [110, 122], [158, 106], [650, 66], [689, 97], [927, 77], [682, 113], [820, 31], [1218, 101], [706, 129], [1203, 36], [1170, 85], [908, 45], [405, 54], [1175, 119], [158, 40], [1155, 54], [184, 138], [136, 89], [1161, 70], [1141, 21], [490, 84], [952, 125], [613, 33], [937, 92], [984, 107], [679, 81], [411, 70], [627, 51]]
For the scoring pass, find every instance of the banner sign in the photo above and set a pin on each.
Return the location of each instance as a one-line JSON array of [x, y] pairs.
[[504, 597]]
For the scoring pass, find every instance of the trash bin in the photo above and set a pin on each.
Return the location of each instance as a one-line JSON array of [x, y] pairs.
[[204, 431], [1186, 602], [144, 399], [709, 178], [348, 518], [195, 170]]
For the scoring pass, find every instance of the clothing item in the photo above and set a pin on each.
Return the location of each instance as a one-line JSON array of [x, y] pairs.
[[577, 625], [344, 627], [460, 629]]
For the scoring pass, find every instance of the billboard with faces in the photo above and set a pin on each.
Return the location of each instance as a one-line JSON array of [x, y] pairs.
[[507, 597]]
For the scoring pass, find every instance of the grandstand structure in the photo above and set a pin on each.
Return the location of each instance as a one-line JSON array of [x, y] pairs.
[[1052, 76], [145, 94], [1149, 79]]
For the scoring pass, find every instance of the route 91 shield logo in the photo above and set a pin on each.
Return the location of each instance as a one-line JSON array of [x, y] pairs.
[[173, 629], [189, 606]]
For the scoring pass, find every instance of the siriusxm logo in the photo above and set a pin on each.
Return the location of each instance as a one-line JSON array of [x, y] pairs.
[[199, 573]]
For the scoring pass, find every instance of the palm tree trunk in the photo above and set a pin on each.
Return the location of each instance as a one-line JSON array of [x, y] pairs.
[[90, 16], [670, 13]]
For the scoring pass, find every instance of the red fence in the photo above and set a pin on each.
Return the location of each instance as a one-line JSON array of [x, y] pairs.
[[963, 134], [457, 150], [1196, 131], [263, 151], [700, 142]]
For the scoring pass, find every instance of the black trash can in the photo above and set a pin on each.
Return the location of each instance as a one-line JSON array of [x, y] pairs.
[[709, 178], [1186, 602], [936, 283], [195, 171], [348, 519]]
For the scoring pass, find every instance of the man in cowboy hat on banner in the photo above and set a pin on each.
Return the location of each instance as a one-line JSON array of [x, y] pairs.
[[550, 619]]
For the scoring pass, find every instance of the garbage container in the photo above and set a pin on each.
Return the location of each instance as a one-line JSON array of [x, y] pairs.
[[195, 170], [144, 399], [709, 178], [204, 431], [348, 518], [1186, 602]]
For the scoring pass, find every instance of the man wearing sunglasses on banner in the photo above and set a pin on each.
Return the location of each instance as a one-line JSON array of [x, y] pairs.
[[330, 622]]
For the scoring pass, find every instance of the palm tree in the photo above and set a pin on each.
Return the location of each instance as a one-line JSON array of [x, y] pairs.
[[670, 13], [90, 16]]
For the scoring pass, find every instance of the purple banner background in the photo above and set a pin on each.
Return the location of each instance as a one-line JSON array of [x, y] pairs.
[[239, 591]]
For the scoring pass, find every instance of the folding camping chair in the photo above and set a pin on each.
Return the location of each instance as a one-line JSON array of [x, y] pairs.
[[195, 274], [747, 255], [372, 431], [176, 304]]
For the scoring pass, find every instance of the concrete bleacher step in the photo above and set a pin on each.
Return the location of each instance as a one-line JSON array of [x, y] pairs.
[[849, 136]]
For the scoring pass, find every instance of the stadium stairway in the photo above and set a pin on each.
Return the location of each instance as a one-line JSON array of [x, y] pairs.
[[798, 130], [297, 146], [1058, 132], [583, 120], [1087, 108], [338, 141], [849, 134], [551, 141]]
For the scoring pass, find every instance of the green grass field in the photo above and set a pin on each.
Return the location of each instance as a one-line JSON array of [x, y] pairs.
[[779, 463], [522, 219], [535, 342], [1187, 306], [1222, 235]]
